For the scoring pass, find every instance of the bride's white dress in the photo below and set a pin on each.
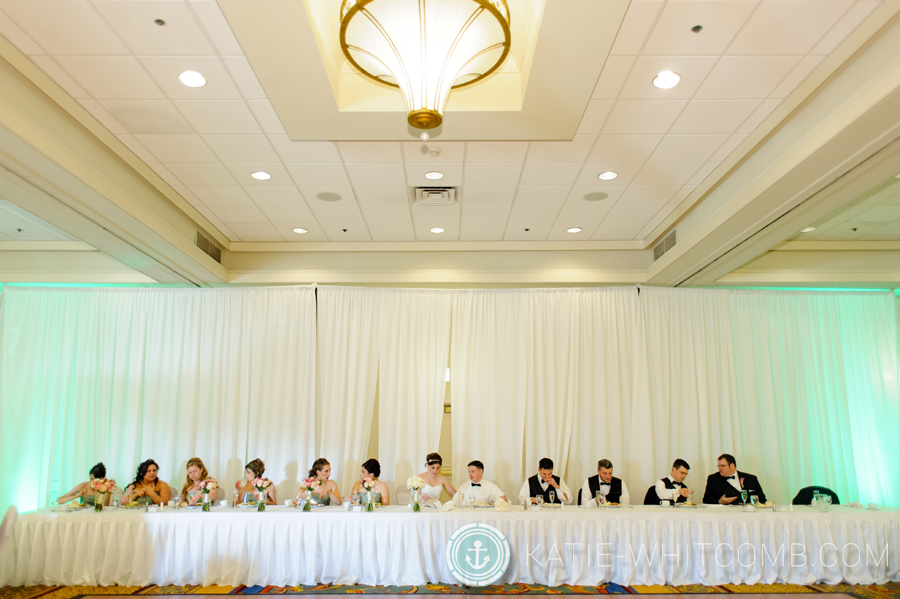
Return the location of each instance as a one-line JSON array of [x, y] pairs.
[[434, 493]]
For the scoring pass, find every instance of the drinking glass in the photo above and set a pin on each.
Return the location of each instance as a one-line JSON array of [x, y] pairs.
[[237, 498], [177, 499], [247, 498], [552, 496], [600, 498], [815, 499], [754, 500], [744, 496], [115, 501], [539, 501], [826, 500], [689, 495]]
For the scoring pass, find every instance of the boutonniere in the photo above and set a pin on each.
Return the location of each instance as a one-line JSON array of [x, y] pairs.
[[742, 483]]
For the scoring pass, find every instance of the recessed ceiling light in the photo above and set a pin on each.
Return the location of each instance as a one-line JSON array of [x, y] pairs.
[[666, 79], [897, 176], [608, 175], [808, 230], [437, 230], [261, 176], [192, 79], [434, 175], [573, 230], [300, 230]]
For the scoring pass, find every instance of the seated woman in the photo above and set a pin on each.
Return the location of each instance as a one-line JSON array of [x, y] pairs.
[[84, 491], [434, 482], [327, 491], [196, 474], [370, 470], [146, 487], [253, 470]]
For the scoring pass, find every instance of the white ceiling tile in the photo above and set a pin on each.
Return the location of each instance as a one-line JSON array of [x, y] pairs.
[[582, 211], [267, 117], [276, 196], [536, 231], [415, 175], [166, 69], [635, 27], [152, 117], [201, 173], [594, 117], [687, 148], [339, 232], [758, 116], [242, 148], [447, 151], [287, 214], [135, 24], [800, 72], [219, 117], [217, 222], [304, 151], [376, 174], [714, 116], [222, 195], [314, 231], [370, 151], [704, 171], [310, 194], [217, 27], [177, 148], [746, 76], [577, 193], [558, 231], [382, 196], [889, 232], [542, 195], [165, 174], [561, 151], [318, 175], [682, 193], [612, 77], [648, 194], [253, 231], [423, 233], [59, 75], [481, 231], [721, 21], [346, 215], [485, 214], [136, 147], [879, 214], [608, 231], [243, 76], [532, 214], [728, 147], [664, 211], [387, 214], [187, 194], [102, 115], [647, 230], [243, 173], [856, 15], [778, 27], [392, 231], [642, 117], [18, 37], [239, 214], [849, 230], [65, 27], [534, 174], [692, 69], [111, 77], [623, 148], [488, 196], [496, 151], [666, 173], [486, 174], [632, 213], [426, 217], [589, 175]]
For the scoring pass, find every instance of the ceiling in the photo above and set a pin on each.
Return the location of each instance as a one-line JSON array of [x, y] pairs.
[[753, 81]]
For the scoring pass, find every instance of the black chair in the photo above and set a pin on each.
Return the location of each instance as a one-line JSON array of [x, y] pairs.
[[805, 495], [651, 498]]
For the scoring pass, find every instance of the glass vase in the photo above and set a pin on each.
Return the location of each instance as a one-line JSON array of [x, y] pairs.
[[99, 500], [206, 502], [370, 501], [261, 504], [415, 501], [307, 502]]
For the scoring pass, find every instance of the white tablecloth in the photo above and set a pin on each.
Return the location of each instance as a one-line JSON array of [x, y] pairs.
[[394, 546]]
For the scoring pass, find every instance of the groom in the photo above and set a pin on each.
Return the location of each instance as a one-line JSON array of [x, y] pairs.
[[477, 489]]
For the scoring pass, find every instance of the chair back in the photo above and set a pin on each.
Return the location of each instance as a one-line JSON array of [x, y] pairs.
[[805, 495], [579, 496], [7, 526], [402, 495], [651, 498]]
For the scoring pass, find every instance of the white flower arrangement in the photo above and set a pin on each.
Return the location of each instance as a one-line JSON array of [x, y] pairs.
[[414, 482]]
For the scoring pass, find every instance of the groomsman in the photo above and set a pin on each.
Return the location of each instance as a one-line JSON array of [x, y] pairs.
[[725, 486], [477, 489], [613, 489], [543, 482], [672, 487]]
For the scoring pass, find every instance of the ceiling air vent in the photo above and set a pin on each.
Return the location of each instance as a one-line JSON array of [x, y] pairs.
[[209, 247], [436, 196], [667, 243]]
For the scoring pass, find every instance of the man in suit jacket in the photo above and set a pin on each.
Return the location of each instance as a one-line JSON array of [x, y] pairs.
[[725, 486]]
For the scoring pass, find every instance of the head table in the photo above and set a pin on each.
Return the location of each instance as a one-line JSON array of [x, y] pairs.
[[395, 546]]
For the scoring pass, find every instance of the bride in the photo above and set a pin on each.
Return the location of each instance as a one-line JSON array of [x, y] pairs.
[[434, 482]]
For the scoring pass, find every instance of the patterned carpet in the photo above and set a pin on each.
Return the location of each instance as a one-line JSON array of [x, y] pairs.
[[887, 591]]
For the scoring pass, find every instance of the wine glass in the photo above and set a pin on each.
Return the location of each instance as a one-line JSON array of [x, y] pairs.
[[826, 499], [552, 496], [744, 495], [601, 498]]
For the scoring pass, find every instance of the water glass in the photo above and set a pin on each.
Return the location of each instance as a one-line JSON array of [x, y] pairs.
[[236, 499], [552, 496], [601, 499], [826, 501], [754, 500], [115, 502], [177, 501], [539, 501], [744, 497]]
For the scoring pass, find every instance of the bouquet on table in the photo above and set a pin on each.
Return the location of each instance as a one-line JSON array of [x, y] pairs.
[[309, 485], [369, 486], [414, 483], [262, 485], [206, 487], [102, 486]]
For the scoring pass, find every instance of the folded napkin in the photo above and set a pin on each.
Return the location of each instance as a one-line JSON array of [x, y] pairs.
[[445, 507], [501, 506], [854, 504]]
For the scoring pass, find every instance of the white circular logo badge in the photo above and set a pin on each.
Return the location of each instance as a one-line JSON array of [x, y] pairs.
[[477, 554]]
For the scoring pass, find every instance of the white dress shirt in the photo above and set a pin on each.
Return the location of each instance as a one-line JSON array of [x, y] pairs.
[[733, 480], [671, 494], [625, 499], [483, 492], [564, 494]]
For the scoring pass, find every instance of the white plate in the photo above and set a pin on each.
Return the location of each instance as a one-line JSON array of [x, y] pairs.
[[249, 505]]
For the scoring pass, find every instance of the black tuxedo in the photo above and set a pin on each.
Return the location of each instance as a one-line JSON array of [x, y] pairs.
[[717, 485]]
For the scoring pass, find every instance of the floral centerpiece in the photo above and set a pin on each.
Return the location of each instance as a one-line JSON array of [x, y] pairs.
[[102, 486], [369, 486], [414, 483], [309, 485], [206, 487], [262, 485]]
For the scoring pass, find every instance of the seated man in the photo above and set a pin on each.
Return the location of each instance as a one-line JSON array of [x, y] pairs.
[[477, 489], [672, 487], [725, 486], [613, 489], [543, 482]]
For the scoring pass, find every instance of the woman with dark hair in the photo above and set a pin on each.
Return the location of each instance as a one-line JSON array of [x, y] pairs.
[[146, 487], [370, 472], [435, 483], [327, 491], [85, 491], [252, 471], [196, 474]]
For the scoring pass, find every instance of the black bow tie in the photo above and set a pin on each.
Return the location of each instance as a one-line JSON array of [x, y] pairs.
[[476, 484]]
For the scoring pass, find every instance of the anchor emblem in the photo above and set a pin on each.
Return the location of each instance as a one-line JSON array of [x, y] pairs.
[[478, 549]]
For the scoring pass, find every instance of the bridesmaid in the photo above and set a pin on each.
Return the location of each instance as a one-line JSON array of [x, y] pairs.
[[146, 487], [434, 482], [84, 489], [370, 470], [196, 474], [328, 491], [254, 469]]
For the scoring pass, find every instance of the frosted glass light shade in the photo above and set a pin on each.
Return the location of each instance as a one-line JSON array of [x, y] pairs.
[[425, 47]]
